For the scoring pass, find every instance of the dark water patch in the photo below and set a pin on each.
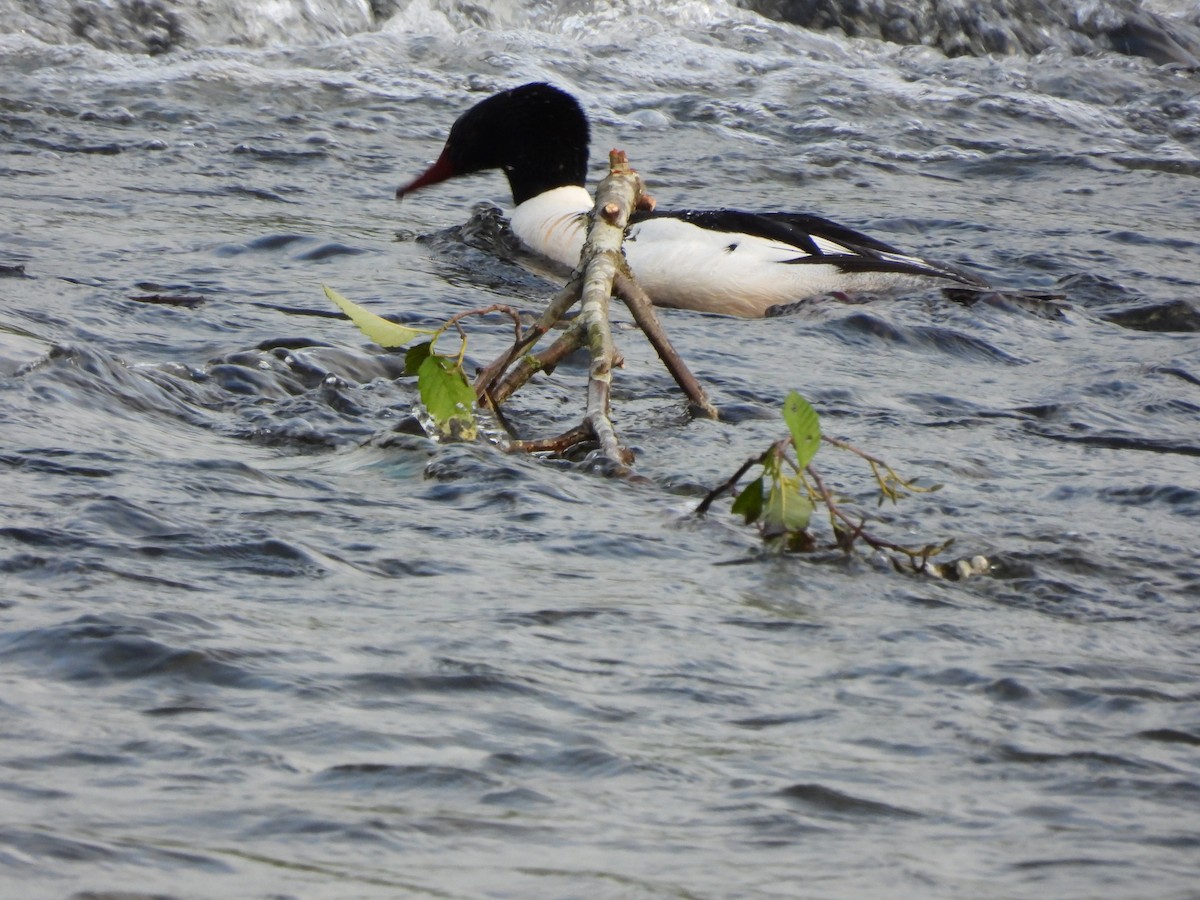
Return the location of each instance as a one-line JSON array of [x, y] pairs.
[[1035, 582], [390, 684], [48, 538], [297, 823], [252, 376], [266, 556], [25, 792], [1071, 434], [1155, 164], [329, 251], [297, 343], [82, 758], [1010, 690], [254, 193], [177, 710], [1137, 238], [826, 801], [59, 147], [1184, 501], [382, 777], [554, 617], [1176, 316], [761, 723], [97, 650], [394, 567], [1066, 862], [42, 844], [1093, 290], [588, 762], [777, 626], [186, 301], [518, 799], [70, 374], [1093, 760], [1171, 736], [39, 844], [700, 689], [1175, 372], [266, 244], [1050, 306], [1175, 794], [279, 154], [863, 329]]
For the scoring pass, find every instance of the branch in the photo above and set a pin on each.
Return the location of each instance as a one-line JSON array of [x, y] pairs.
[[846, 536], [530, 365], [602, 268], [615, 200], [555, 309], [643, 314], [731, 482]]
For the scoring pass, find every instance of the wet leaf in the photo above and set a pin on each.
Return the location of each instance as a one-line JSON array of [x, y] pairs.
[[749, 503], [416, 355], [448, 397], [805, 426], [788, 507], [380, 330]]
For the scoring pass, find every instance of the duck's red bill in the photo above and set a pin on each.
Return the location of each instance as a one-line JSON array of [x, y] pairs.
[[439, 171]]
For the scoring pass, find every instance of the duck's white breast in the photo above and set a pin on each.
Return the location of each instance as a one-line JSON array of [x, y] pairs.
[[553, 223]]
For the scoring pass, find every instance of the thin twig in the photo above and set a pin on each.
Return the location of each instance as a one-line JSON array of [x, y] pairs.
[[918, 559], [731, 482], [568, 342], [557, 445], [555, 309]]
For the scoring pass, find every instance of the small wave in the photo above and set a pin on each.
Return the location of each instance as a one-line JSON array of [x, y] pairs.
[[98, 649], [863, 328], [389, 777], [828, 801]]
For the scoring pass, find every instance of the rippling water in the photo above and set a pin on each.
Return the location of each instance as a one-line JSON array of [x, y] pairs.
[[257, 638]]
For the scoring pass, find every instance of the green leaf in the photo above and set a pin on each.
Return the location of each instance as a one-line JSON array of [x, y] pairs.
[[805, 426], [380, 330], [416, 355], [447, 396], [749, 502], [788, 507]]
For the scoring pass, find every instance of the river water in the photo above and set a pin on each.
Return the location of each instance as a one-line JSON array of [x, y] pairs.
[[260, 639]]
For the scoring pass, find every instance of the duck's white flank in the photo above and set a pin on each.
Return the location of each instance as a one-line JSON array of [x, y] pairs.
[[683, 265]]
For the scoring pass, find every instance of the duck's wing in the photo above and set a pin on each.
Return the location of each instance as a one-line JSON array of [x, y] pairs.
[[817, 240]]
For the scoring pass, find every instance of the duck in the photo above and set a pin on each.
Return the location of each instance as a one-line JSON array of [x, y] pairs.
[[724, 261]]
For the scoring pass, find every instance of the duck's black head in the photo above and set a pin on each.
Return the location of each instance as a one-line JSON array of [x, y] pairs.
[[536, 133]]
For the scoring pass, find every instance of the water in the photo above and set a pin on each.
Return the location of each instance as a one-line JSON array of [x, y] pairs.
[[256, 641]]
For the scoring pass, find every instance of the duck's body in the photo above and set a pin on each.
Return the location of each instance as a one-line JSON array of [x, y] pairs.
[[721, 261]]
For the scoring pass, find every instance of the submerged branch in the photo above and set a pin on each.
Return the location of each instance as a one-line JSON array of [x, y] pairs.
[[647, 319], [602, 271]]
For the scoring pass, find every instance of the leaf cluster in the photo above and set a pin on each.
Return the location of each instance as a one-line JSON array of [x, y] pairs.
[[781, 500], [445, 392]]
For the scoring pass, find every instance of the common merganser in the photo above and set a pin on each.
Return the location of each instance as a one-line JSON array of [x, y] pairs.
[[721, 261]]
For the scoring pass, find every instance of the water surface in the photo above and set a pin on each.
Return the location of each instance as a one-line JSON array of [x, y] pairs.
[[259, 639]]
